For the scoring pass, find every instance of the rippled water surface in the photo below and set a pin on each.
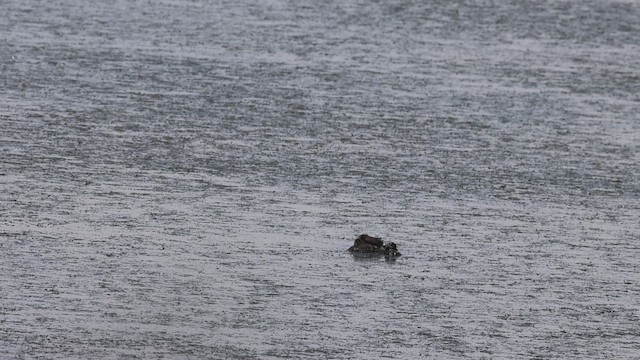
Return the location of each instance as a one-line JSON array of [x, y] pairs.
[[181, 179]]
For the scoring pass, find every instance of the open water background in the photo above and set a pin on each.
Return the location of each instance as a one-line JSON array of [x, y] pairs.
[[181, 179]]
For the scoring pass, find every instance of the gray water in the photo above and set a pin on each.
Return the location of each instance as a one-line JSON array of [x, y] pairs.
[[181, 179]]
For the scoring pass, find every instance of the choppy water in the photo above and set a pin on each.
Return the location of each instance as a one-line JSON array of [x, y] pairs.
[[181, 179]]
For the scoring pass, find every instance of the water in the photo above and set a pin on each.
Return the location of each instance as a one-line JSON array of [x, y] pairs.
[[181, 179]]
